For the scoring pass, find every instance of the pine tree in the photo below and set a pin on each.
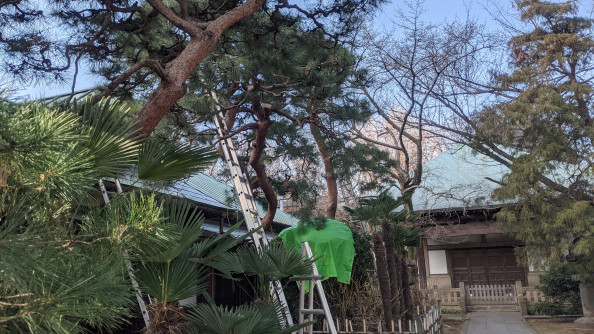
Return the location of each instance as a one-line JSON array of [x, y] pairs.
[[151, 45], [547, 131], [276, 83]]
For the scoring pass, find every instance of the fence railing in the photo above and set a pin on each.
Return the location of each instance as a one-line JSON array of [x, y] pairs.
[[491, 294], [478, 295], [426, 321], [448, 297], [533, 295]]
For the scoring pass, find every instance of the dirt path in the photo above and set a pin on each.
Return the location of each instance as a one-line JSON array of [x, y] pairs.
[[558, 326]]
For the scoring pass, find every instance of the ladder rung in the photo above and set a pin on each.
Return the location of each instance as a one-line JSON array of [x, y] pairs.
[[253, 212], [306, 278], [312, 311]]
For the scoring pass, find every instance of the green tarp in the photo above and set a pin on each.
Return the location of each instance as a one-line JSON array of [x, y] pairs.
[[335, 242]]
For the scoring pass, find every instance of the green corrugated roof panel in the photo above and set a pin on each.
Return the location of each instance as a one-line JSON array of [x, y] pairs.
[[225, 194]]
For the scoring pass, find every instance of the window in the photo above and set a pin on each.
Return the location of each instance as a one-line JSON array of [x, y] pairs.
[[437, 262]]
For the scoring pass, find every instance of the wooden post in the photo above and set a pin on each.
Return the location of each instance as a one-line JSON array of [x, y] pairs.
[[421, 270], [351, 326], [523, 305], [379, 326], [462, 300], [399, 325], [364, 326], [310, 304], [519, 289], [392, 325], [346, 325]]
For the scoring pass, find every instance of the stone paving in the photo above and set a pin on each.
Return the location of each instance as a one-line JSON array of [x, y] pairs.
[[496, 323]]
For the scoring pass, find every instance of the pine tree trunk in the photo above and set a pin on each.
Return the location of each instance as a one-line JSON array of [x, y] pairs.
[[255, 160], [407, 296], [393, 268], [330, 174], [383, 277], [175, 74]]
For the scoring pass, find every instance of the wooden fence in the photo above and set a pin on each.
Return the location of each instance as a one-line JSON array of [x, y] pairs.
[[478, 295], [533, 295], [426, 321], [448, 297], [491, 294]]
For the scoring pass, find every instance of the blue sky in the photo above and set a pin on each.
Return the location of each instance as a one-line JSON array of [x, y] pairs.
[[436, 11]]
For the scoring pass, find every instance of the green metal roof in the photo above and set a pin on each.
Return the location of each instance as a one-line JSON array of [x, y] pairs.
[[458, 179], [227, 197]]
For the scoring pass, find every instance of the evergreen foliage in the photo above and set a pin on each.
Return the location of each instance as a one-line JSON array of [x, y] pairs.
[[62, 255], [274, 78], [549, 129], [558, 284], [245, 319], [54, 279]]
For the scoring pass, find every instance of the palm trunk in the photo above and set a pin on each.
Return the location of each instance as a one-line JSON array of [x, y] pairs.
[[383, 277], [393, 268], [406, 287], [401, 286]]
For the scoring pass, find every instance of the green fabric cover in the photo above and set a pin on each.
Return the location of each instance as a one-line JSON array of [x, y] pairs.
[[335, 242]]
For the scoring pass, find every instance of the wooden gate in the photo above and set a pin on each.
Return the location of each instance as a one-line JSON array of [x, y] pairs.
[[491, 294]]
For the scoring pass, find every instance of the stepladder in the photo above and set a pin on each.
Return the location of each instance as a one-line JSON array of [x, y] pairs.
[[314, 280]]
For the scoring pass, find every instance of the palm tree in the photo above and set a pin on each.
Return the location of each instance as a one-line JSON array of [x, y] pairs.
[[403, 238], [268, 263], [62, 263], [380, 212], [62, 253]]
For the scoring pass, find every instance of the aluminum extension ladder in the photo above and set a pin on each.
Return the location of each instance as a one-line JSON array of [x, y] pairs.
[[141, 303], [252, 220]]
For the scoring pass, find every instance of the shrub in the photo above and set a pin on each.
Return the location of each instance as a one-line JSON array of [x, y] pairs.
[[553, 307], [564, 292]]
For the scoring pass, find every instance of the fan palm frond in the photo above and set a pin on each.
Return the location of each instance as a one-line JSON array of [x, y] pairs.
[[377, 209], [287, 262], [166, 161], [182, 224], [210, 249], [404, 237], [173, 280], [273, 261], [256, 261], [245, 319], [113, 136]]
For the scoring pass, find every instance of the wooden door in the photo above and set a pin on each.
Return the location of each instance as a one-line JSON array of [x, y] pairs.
[[485, 266]]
